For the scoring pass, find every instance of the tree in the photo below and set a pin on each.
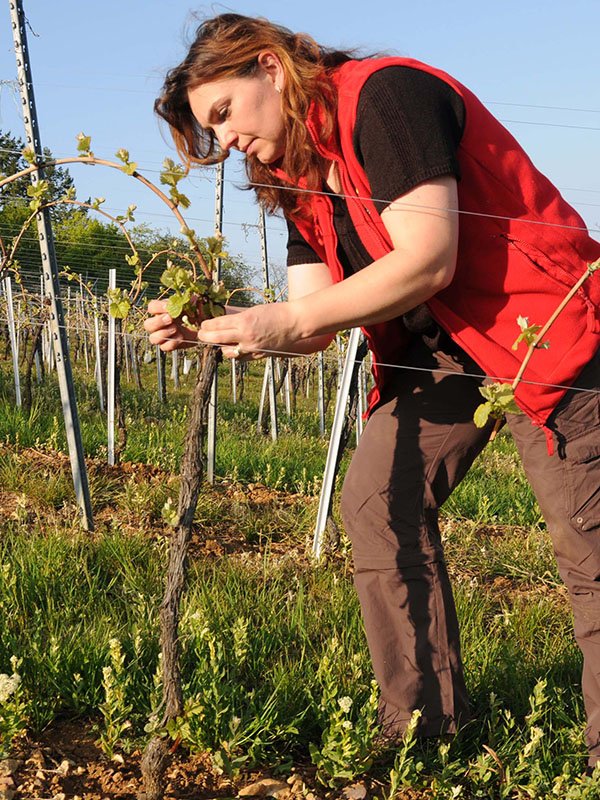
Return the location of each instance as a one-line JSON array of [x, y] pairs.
[[11, 161]]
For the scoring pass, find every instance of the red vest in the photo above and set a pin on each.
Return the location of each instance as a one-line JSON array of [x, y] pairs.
[[521, 248]]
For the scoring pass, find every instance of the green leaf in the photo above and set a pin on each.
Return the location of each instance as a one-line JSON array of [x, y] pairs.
[[119, 303], [83, 144], [179, 199], [175, 305], [123, 155], [120, 309], [171, 517], [528, 332], [594, 266], [501, 400], [29, 155], [69, 194], [129, 169], [172, 173]]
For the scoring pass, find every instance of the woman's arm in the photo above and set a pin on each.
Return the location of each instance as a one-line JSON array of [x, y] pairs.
[[169, 334], [304, 280], [423, 227]]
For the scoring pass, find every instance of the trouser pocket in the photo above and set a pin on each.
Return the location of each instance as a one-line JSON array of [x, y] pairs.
[[582, 481]]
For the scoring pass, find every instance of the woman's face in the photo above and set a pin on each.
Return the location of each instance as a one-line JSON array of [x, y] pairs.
[[243, 113]]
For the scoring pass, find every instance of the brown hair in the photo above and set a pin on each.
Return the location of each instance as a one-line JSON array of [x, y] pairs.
[[228, 46]]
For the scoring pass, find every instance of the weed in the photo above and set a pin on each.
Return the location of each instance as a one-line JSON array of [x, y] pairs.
[[13, 710], [115, 710], [346, 749]]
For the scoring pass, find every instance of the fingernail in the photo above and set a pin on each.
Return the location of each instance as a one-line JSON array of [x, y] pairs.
[[166, 318]]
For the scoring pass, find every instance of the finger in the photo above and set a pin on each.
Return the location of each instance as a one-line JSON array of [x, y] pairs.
[[231, 352], [157, 306], [163, 335], [152, 324], [223, 323], [218, 337]]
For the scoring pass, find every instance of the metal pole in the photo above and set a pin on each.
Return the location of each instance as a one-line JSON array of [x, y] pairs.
[[12, 332], [98, 368], [125, 341], [360, 404], [288, 399], [321, 385], [334, 441], [211, 437], [18, 325], [135, 367], [50, 270], [175, 369], [234, 380], [84, 316], [263, 395], [111, 369], [159, 376], [267, 285]]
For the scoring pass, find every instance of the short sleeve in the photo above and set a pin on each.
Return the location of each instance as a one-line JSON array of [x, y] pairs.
[[408, 128], [298, 249]]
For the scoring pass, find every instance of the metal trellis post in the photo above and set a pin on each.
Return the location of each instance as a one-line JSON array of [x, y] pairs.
[[211, 438], [98, 367], [162, 398], [334, 441], [321, 386], [50, 270], [12, 332], [111, 369], [271, 360]]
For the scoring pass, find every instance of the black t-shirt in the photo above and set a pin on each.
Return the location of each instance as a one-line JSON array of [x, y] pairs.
[[408, 128]]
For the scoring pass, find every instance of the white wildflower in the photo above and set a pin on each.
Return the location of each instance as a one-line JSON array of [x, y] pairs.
[[345, 703], [536, 735], [8, 685]]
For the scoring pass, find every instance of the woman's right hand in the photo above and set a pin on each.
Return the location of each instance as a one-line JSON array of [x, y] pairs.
[[167, 333]]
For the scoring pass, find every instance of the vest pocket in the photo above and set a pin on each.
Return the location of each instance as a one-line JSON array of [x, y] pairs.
[[555, 270]]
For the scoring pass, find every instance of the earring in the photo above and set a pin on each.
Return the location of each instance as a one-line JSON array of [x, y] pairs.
[[278, 88]]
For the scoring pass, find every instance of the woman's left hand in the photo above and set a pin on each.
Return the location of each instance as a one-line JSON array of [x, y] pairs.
[[262, 330]]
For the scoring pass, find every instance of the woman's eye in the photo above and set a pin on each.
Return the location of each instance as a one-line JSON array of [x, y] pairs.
[[222, 113]]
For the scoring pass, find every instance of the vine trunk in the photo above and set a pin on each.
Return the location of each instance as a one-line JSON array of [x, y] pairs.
[[155, 758]]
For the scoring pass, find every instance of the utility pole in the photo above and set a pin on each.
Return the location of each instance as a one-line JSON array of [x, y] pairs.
[[50, 272]]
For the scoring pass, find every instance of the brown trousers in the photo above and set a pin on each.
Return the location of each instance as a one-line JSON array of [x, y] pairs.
[[415, 449]]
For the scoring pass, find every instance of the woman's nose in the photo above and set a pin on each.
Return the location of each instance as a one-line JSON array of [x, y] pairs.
[[227, 138]]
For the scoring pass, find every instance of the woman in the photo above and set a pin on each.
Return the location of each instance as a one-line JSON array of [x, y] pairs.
[[377, 163]]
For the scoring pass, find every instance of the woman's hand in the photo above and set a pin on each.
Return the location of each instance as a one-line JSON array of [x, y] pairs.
[[167, 333], [255, 332]]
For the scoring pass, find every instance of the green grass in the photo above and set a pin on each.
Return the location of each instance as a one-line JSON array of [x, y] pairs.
[[271, 642], [264, 639]]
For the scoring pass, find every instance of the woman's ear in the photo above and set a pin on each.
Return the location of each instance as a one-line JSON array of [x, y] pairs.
[[270, 64]]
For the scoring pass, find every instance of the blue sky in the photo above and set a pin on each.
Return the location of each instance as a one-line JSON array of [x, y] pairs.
[[98, 67]]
